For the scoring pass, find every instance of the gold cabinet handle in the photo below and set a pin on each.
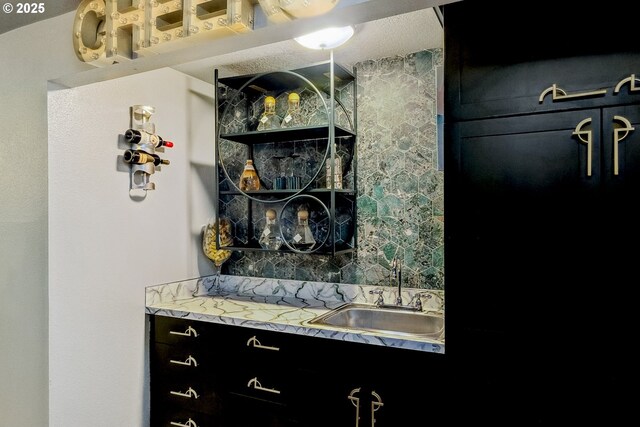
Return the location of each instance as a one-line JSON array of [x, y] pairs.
[[582, 133], [617, 137], [558, 94], [632, 84], [189, 332], [255, 384], [189, 423], [355, 401], [190, 393], [189, 361], [375, 405], [253, 341]]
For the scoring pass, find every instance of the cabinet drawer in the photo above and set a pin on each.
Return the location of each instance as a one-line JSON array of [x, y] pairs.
[[258, 346], [191, 393], [179, 331], [169, 416], [264, 383], [178, 361], [242, 411]]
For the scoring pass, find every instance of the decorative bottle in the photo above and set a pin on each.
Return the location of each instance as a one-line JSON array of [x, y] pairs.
[[334, 180], [249, 180], [293, 118], [270, 238], [269, 120], [302, 236]]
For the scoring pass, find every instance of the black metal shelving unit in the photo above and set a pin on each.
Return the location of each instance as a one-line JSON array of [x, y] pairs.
[[324, 79]]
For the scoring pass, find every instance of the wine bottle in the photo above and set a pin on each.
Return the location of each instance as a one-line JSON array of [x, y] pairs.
[[135, 136], [140, 157]]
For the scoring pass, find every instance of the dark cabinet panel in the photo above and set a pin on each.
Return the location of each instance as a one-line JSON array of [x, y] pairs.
[[621, 131], [520, 156], [541, 213], [561, 45], [539, 272], [178, 331], [179, 417], [253, 377]]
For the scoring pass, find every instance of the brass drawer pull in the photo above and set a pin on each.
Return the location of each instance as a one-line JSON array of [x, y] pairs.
[[375, 405], [189, 423], [558, 94], [617, 138], [355, 401], [190, 393], [255, 384], [632, 84], [253, 341], [189, 332], [588, 133], [189, 361]]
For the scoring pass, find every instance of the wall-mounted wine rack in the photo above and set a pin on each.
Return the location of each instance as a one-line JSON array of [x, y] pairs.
[[143, 157]]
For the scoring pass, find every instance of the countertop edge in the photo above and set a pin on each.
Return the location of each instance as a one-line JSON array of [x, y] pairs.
[[249, 302]]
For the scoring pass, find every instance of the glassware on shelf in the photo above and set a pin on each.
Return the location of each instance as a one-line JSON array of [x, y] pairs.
[[303, 239], [249, 180], [269, 119], [280, 181], [270, 238], [293, 164], [294, 117], [210, 246]]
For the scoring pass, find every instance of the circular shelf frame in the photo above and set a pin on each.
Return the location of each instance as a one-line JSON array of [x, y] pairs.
[[327, 152]]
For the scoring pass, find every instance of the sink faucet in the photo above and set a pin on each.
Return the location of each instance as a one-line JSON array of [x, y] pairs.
[[396, 271]]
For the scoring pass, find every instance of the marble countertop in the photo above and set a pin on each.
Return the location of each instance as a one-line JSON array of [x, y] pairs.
[[283, 305]]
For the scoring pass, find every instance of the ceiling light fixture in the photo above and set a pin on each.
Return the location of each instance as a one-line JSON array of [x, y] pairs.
[[329, 38]]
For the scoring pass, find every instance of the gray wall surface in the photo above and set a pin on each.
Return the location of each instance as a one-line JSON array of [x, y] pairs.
[[30, 56]]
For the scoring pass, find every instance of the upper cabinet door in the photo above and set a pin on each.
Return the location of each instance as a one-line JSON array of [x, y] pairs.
[[518, 165], [621, 148], [547, 59]]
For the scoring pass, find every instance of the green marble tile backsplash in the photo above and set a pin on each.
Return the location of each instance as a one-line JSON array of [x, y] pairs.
[[400, 189]]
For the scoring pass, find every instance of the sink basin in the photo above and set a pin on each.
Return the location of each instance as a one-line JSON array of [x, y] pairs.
[[392, 321]]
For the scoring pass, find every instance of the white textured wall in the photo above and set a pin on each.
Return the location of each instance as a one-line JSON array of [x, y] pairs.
[[105, 248], [29, 56]]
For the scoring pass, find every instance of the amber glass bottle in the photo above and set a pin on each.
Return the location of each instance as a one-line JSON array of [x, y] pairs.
[[249, 180]]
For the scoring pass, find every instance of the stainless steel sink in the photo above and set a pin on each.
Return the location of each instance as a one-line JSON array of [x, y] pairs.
[[392, 321]]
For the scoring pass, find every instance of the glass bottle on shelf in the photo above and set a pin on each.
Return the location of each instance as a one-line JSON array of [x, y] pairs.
[[269, 119], [249, 180], [294, 117], [270, 237], [302, 236], [334, 180]]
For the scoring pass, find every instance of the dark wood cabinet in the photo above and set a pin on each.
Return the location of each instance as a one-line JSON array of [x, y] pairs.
[[245, 377], [507, 56], [539, 221]]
